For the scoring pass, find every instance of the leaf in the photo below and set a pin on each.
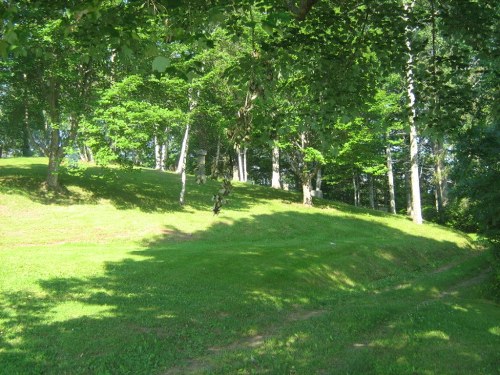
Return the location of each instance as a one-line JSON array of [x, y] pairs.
[[267, 27], [10, 36], [127, 52], [161, 63], [85, 58], [3, 48], [216, 15], [191, 75], [151, 51]]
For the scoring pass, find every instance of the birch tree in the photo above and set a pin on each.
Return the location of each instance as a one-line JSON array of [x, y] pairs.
[[414, 169]]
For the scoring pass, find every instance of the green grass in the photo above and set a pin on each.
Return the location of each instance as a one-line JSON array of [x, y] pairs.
[[115, 278]]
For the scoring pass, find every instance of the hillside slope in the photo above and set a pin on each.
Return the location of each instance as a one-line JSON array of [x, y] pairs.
[[116, 277]]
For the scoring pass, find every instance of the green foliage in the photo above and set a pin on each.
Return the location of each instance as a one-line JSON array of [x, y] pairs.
[[324, 80], [311, 155], [132, 111], [160, 64], [479, 179]]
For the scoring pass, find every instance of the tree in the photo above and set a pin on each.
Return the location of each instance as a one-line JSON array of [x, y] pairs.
[[71, 45], [134, 115], [410, 81]]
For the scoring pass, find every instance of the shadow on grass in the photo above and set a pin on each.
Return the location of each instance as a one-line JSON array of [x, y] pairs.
[[272, 294], [143, 189]]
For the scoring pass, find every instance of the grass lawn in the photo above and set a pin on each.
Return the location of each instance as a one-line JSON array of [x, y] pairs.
[[115, 277]]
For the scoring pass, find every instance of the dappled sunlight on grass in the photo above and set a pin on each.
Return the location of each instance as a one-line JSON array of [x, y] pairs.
[[495, 330], [459, 308], [433, 335], [75, 310], [269, 299], [129, 282], [323, 275]]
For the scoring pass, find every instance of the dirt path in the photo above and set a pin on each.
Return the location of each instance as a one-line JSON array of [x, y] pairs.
[[205, 363]]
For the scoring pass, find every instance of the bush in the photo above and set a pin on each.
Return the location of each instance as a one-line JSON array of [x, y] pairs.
[[460, 216], [494, 286]]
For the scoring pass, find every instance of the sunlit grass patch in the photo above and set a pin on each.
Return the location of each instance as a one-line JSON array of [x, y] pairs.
[[118, 278]]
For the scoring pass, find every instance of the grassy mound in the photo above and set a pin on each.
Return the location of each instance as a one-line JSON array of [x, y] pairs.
[[116, 277]]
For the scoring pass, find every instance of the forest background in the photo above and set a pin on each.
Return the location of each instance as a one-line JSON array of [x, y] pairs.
[[391, 104]]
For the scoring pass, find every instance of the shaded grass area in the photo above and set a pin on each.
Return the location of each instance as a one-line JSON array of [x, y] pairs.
[[144, 189], [268, 287]]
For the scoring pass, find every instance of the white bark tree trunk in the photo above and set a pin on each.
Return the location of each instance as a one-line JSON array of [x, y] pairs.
[[317, 191], [158, 156], [182, 163], [86, 153], [390, 179], [242, 164], [319, 178], [409, 203], [355, 185], [182, 157], [415, 179], [182, 196], [275, 181], [306, 191], [181, 167]]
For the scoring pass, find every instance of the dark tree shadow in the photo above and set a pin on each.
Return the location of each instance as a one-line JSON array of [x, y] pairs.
[[144, 189], [195, 303]]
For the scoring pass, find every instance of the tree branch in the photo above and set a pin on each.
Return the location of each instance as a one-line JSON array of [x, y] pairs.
[[302, 9]]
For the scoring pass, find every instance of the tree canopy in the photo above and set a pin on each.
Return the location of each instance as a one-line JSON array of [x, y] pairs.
[[328, 91]]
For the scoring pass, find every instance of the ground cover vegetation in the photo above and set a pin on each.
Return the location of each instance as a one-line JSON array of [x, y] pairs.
[[116, 277], [389, 105]]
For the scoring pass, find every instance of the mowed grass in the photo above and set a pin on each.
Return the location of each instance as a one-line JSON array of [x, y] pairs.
[[114, 277]]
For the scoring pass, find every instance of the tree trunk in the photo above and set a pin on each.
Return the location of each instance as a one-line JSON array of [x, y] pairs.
[[415, 179], [242, 163], [390, 178], [86, 153], [355, 184], [215, 165], [409, 204], [164, 154], [26, 131], [164, 150], [306, 191], [182, 164], [276, 178], [440, 183], [55, 157], [55, 146], [183, 155], [236, 173], [372, 191], [26, 128], [245, 173], [181, 167], [200, 167], [317, 191], [182, 196], [158, 152]]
